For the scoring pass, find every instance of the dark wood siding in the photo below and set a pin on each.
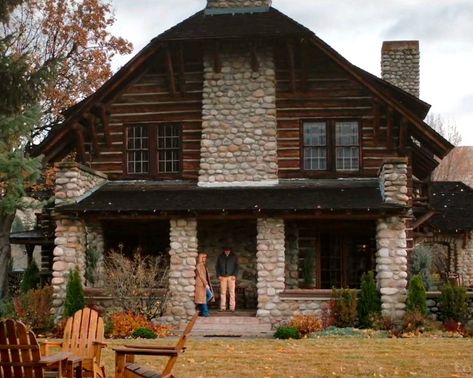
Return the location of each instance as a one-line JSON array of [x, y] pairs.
[[319, 89], [149, 100]]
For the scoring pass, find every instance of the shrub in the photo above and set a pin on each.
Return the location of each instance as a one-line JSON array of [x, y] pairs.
[[144, 333], [345, 307], [414, 321], [369, 302], [139, 284], [34, 308], [416, 297], [335, 331], [92, 258], [75, 298], [453, 304], [31, 278], [287, 332], [454, 326], [7, 309], [123, 324], [306, 324], [422, 265]]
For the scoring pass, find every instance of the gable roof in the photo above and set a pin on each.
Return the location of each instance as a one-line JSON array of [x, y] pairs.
[[264, 25]]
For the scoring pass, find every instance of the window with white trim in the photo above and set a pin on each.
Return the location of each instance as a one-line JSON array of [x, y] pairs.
[[137, 150]]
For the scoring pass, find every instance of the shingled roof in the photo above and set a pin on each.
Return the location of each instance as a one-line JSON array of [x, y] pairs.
[[453, 203], [297, 197]]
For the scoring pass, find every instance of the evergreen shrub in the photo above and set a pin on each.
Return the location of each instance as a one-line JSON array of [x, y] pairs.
[[345, 307], [416, 297], [287, 332], [31, 278], [75, 297], [369, 301], [453, 304]]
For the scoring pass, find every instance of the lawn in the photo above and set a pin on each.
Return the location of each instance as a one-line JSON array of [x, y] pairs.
[[322, 357]]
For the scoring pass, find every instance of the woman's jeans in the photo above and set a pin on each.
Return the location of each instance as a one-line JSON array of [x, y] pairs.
[[204, 307]]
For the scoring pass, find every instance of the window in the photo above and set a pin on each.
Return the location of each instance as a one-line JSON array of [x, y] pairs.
[[137, 150], [164, 139], [331, 145]]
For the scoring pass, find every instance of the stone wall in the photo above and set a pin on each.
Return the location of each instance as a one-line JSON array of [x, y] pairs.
[[393, 181], [464, 249], [238, 3], [271, 266], [400, 65], [183, 238], [238, 145], [74, 180]]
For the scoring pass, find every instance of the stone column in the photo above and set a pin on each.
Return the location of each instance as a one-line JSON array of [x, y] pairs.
[[270, 263], [400, 65], [239, 129], [183, 237], [391, 255], [73, 181]]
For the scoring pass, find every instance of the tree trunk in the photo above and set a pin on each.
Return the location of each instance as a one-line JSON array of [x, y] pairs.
[[5, 252]]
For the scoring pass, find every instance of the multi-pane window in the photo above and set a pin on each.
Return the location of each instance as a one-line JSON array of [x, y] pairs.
[[315, 146], [164, 139], [331, 145], [137, 150], [347, 146], [169, 147]]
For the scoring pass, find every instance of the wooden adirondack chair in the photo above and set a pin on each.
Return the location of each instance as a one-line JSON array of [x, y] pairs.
[[125, 356], [20, 354], [84, 337]]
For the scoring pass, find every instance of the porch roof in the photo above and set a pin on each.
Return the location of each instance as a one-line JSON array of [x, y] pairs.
[[298, 196], [453, 203], [35, 237]]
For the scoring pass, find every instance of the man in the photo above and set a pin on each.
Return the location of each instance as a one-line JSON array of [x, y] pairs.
[[227, 270]]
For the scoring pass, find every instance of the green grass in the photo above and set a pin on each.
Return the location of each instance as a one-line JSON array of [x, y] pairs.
[[321, 357]]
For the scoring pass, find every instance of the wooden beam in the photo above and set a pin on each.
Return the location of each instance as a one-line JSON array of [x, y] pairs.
[[376, 119], [80, 141], [390, 127], [292, 66], [304, 67], [254, 58], [170, 71], [105, 118], [93, 133], [424, 218], [403, 134], [182, 71], [216, 56]]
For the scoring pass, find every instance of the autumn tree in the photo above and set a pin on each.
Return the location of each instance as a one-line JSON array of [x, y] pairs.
[[445, 127], [21, 85], [75, 33]]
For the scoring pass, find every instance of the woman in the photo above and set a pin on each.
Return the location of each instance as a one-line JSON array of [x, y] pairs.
[[203, 290]]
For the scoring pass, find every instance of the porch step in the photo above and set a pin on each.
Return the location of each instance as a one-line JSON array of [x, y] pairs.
[[230, 325]]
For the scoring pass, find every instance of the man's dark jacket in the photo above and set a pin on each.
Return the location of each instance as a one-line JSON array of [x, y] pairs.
[[227, 265]]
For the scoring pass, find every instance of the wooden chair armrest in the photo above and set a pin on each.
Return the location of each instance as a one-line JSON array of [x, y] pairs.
[[44, 346], [147, 352], [149, 347], [100, 344], [54, 358]]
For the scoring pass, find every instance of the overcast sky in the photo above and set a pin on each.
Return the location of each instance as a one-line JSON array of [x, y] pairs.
[[356, 29]]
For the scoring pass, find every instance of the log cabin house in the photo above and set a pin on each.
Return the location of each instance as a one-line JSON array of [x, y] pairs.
[[240, 127]]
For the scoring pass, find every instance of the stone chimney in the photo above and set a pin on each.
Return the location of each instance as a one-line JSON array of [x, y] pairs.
[[400, 65], [238, 4]]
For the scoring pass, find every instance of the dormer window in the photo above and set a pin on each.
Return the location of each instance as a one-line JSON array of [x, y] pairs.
[[331, 145], [153, 150]]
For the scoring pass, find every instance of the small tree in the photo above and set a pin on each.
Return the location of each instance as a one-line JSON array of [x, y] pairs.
[[369, 302], [75, 298], [416, 298], [453, 304], [344, 307], [31, 278]]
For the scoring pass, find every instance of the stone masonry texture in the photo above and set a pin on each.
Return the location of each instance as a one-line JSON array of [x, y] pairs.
[[239, 144]]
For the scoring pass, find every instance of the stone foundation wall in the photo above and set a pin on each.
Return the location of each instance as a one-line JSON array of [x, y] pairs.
[[465, 259], [391, 266], [239, 144], [183, 238], [271, 269]]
